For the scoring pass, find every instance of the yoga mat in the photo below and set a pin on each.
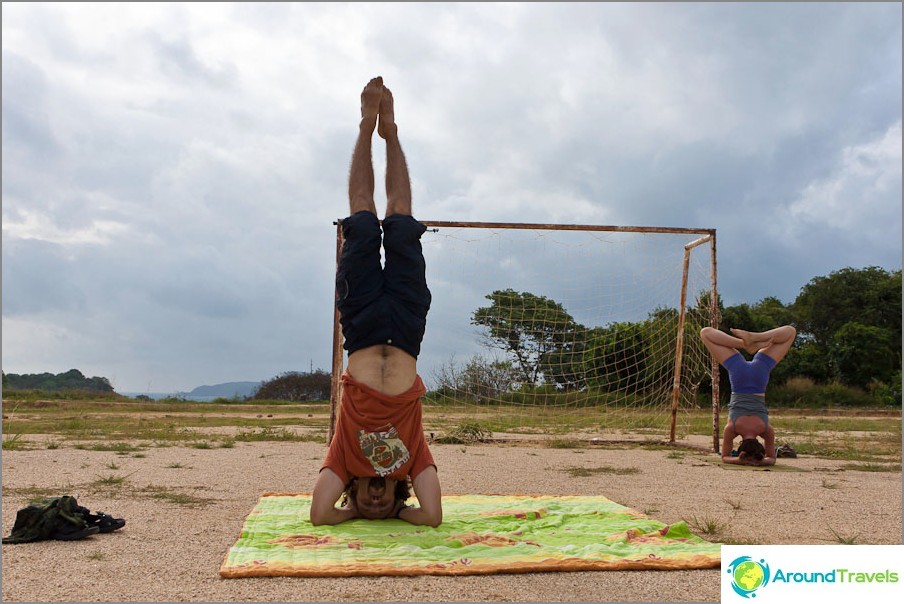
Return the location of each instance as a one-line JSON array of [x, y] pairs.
[[480, 534]]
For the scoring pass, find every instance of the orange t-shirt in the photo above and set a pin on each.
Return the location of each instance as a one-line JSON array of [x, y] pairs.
[[377, 434]]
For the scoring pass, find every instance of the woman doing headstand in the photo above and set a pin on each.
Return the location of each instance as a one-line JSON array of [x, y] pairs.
[[748, 416]]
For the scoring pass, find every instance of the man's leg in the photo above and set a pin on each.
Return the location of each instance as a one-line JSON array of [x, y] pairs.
[[405, 272], [361, 173], [359, 277], [398, 184]]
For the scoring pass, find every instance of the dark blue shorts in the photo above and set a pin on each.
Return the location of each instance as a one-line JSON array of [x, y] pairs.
[[380, 305]]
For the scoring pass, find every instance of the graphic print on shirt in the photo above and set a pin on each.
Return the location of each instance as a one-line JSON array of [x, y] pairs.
[[384, 450]]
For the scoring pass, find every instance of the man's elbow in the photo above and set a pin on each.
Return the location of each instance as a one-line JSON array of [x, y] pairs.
[[317, 517], [434, 519]]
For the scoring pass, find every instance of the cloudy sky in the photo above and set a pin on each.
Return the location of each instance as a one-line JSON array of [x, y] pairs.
[[171, 172]]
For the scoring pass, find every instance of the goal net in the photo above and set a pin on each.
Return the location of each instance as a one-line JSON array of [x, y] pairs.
[[568, 332]]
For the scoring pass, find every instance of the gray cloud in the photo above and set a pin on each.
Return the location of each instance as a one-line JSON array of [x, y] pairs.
[[172, 172]]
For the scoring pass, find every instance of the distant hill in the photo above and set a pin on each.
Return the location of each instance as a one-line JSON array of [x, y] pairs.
[[227, 390]]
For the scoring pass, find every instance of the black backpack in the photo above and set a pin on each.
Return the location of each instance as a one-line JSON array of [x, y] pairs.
[[56, 518]]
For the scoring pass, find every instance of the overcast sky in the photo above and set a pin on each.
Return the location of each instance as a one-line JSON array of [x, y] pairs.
[[171, 172]]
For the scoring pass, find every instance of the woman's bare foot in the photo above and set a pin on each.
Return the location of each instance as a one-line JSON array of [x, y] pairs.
[[387, 127], [370, 101], [753, 342]]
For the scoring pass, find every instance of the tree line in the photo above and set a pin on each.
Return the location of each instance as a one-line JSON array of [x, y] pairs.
[[848, 324], [69, 380], [849, 333]]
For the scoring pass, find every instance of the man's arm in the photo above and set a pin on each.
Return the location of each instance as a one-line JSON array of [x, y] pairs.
[[429, 496], [327, 491]]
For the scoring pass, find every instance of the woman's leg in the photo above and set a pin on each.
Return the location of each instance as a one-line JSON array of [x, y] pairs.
[[776, 342], [720, 344]]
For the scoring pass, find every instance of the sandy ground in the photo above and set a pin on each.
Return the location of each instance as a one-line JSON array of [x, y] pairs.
[[172, 546]]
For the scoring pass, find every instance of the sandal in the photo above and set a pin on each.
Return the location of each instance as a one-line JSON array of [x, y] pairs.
[[785, 451], [71, 532], [105, 522]]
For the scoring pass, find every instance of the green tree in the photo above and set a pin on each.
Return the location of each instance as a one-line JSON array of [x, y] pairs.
[[852, 320], [69, 380], [528, 327], [480, 380], [296, 386], [863, 353], [614, 358], [869, 296]]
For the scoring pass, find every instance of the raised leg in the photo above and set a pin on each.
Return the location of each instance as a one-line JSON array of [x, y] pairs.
[[721, 345], [361, 173], [776, 342], [398, 184]]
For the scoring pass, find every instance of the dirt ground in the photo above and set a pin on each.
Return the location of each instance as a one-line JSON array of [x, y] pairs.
[[184, 509]]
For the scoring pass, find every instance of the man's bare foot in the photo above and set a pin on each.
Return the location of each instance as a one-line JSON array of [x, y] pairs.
[[370, 100], [753, 342], [387, 127]]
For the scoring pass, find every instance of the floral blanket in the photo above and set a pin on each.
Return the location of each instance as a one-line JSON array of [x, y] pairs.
[[480, 534]]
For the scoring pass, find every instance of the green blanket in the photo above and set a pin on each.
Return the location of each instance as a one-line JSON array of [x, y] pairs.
[[480, 534]]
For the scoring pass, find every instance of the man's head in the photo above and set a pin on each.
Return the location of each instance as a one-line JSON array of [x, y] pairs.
[[751, 450], [376, 497]]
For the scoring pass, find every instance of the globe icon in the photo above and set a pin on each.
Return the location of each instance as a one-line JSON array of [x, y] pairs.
[[748, 575]]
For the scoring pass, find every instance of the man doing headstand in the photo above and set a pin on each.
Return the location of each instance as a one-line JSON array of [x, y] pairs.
[[379, 441]]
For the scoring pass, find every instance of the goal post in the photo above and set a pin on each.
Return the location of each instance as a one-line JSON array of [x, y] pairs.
[[563, 331]]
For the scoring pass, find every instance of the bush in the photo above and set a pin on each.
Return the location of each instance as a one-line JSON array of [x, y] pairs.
[[887, 393], [802, 392], [295, 386]]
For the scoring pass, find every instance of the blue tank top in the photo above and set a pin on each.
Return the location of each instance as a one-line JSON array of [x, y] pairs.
[[749, 377]]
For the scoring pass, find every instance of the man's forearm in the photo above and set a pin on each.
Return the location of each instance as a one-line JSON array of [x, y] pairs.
[[418, 516], [332, 516]]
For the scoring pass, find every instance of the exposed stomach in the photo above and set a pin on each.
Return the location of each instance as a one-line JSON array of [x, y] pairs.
[[384, 368]]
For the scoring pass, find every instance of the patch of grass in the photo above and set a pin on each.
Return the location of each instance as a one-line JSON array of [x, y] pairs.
[[202, 445], [229, 443], [270, 433], [98, 555], [111, 480], [177, 465], [169, 496], [844, 539], [707, 525], [12, 436], [734, 503], [36, 494], [565, 443], [675, 455], [15, 442], [120, 448], [113, 465], [874, 467], [650, 511], [465, 433], [578, 472]]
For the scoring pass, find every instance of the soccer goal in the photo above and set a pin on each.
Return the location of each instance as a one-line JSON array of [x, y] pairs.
[[566, 332]]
